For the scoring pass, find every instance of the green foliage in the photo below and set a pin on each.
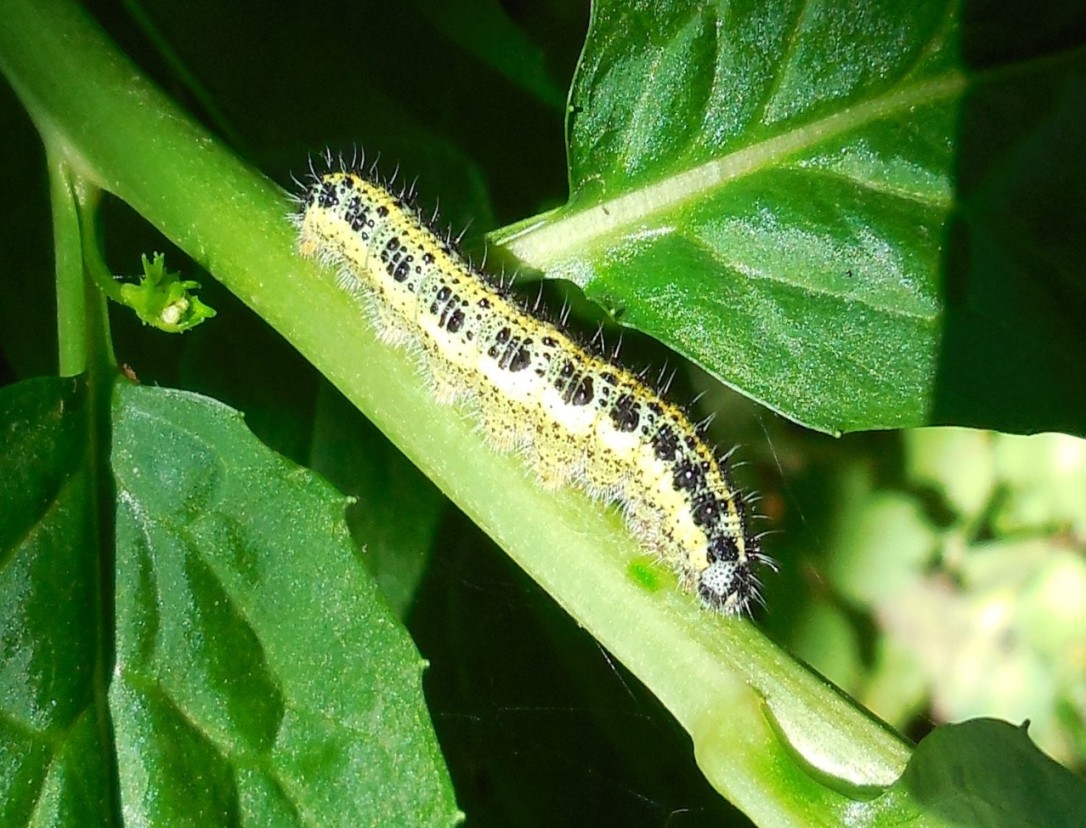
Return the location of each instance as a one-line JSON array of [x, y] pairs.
[[790, 179], [257, 674], [862, 217], [781, 190], [51, 764], [969, 564], [949, 781]]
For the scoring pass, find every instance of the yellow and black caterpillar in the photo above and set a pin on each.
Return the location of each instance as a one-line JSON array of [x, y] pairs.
[[577, 417]]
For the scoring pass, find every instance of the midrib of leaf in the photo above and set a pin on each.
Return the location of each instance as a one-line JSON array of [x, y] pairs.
[[543, 244]]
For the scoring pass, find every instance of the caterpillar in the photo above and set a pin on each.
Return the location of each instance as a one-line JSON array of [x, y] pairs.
[[578, 417]]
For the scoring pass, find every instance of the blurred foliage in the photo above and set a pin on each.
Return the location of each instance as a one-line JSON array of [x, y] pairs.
[[943, 575]]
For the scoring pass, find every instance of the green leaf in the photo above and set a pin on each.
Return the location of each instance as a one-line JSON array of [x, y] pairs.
[[260, 675], [790, 195], [54, 742], [983, 772]]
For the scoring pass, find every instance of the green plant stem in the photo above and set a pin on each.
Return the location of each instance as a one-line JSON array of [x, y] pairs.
[[72, 334], [97, 271], [750, 708]]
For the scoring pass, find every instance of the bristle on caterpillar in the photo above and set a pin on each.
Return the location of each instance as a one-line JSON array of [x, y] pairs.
[[577, 416]]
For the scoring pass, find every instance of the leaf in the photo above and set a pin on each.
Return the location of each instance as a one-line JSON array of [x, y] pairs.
[[983, 772], [259, 674], [774, 190], [53, 732]]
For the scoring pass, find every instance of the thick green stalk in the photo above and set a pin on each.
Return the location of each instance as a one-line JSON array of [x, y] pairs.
[[72, 310], [751, 710]]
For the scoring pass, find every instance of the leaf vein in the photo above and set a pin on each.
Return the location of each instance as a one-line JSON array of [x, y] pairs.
[[545, 244]]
